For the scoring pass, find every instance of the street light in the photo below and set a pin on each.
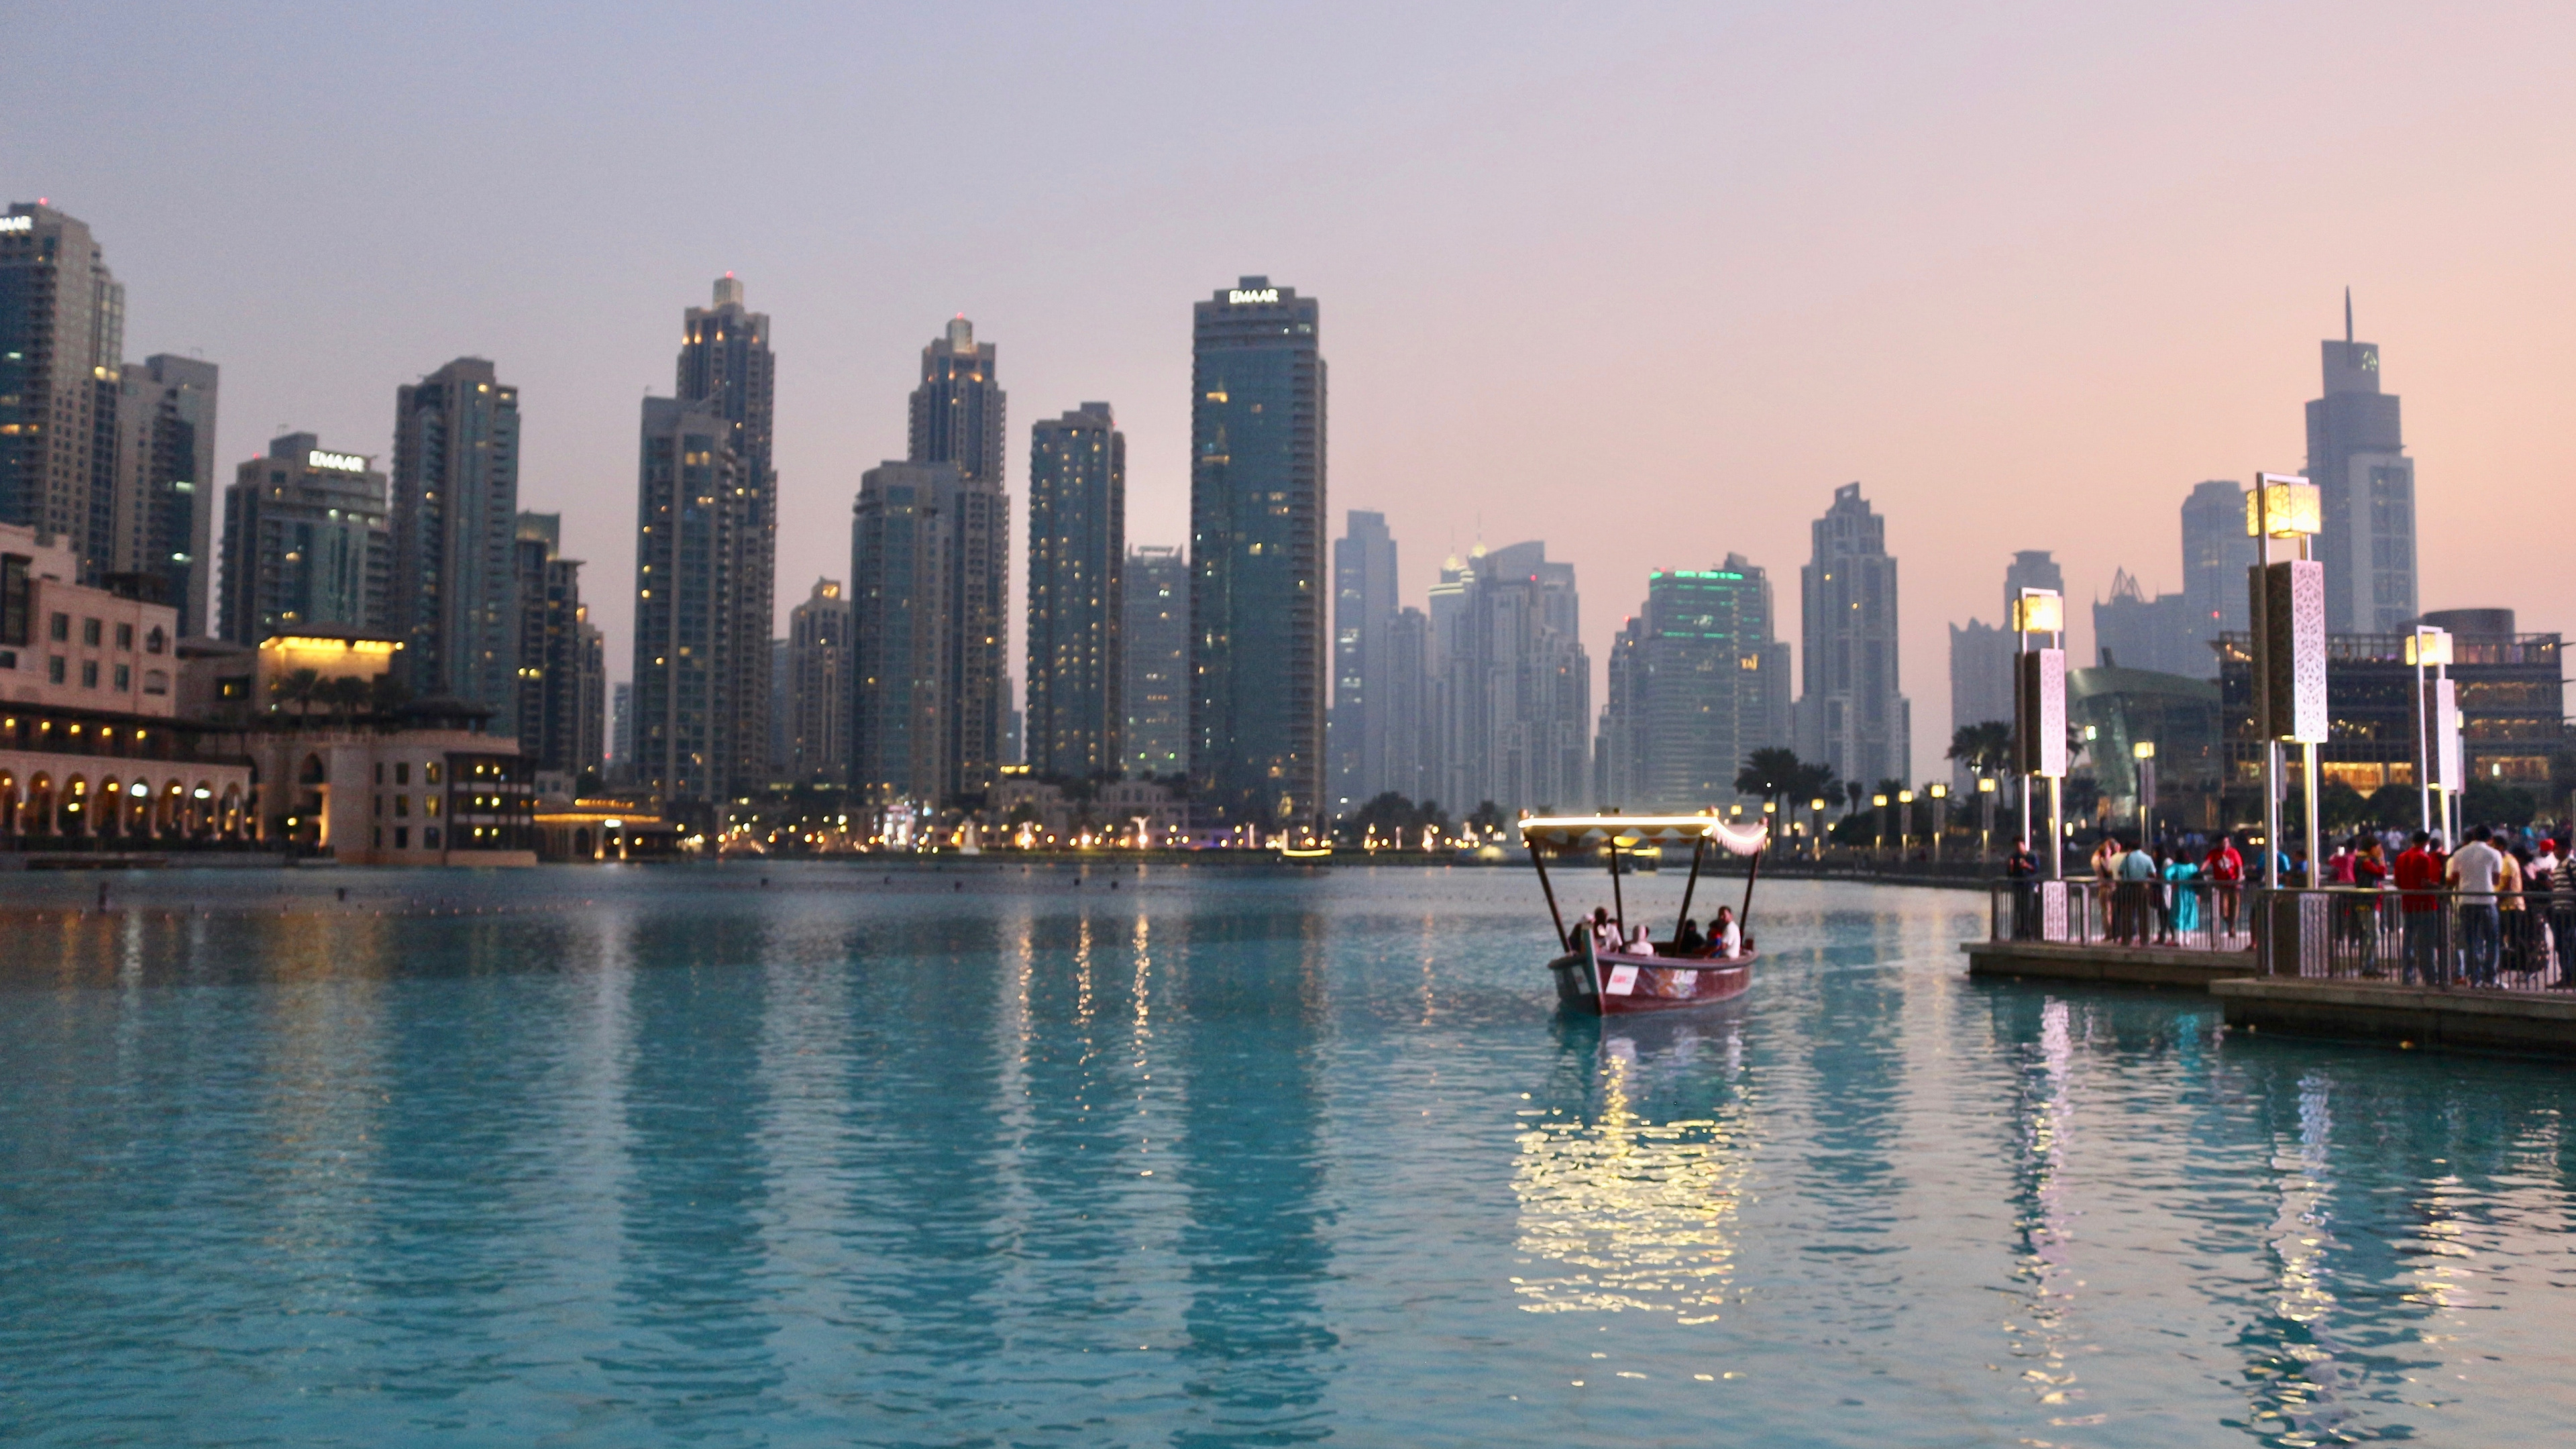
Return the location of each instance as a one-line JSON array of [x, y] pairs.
[[1879, 803], [1816, 824], [1986, 809], [1940, 814], [2289, 632], [1904, 819], [2430, 648], [2144, 752]]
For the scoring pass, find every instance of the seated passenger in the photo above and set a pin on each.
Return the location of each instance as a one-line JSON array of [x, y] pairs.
[[1689, 942], [1638, 945], [1723, 931]]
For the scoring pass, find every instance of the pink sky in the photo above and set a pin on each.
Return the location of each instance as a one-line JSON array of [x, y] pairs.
[[1647, 283]]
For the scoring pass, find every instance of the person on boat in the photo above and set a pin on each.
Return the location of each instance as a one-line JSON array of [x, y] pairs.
[[1605, 935], [1638, 942], [1725, 935], [1688, 941]]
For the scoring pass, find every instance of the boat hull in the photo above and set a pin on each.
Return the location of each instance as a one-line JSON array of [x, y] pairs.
[[1618, 984]]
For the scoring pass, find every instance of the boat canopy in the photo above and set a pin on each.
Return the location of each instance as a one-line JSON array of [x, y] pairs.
[[1571, 834]]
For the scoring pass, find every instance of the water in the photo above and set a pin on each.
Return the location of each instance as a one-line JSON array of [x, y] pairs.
[[1217, 1158]]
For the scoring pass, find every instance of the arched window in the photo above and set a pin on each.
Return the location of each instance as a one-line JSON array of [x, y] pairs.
[[156, 642]]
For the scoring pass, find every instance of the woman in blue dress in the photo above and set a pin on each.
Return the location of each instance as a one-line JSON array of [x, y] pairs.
[[2184, 877]]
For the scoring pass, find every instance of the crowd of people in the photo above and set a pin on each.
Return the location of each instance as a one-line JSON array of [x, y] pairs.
[[1723, 940], [2503, 903]]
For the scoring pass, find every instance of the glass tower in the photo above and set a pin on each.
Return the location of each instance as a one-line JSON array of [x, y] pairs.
[[455, 496], [1257, 628], [1077, 553], [2357, 458]]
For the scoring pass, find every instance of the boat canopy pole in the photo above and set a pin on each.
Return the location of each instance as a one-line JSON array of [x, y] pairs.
[[1744, 918], [1699, 848], [1538, 857], [1618, 907]]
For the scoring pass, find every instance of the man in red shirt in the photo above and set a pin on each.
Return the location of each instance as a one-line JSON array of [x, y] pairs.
[[2225, 870], [2419, 875]]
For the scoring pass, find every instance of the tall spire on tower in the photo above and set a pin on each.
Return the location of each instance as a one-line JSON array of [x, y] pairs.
[[2347, 316]]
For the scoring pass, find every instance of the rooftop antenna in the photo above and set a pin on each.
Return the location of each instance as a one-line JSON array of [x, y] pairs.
[[2347, 316]]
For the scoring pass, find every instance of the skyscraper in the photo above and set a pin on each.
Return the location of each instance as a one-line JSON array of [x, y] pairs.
[[1851, 714], [686, 725], [2136, 632], [590, 747], [901, 725], [1077, 555], [2366, 484], [725, 367], [957, 409], [819, 693], [1511, 685], [551, 625], [164, 502], [455, 497], [2215, 555], [1697, 684], [62, 338], [1257, 645], [1406, 707], [1981, 678], [1155, 638], [307, 544], [1364, 611], [621, 732]]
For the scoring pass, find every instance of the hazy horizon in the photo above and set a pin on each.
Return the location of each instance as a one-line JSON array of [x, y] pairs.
[[1645, 284]]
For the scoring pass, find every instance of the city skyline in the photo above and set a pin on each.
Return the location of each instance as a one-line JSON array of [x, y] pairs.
[[1952, 361]]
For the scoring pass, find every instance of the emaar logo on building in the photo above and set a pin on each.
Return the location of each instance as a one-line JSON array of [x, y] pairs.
[[17, 223], [1246, 296], [345, 462]]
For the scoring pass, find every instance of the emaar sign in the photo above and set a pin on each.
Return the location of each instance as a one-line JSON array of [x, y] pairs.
[[1246, 296]]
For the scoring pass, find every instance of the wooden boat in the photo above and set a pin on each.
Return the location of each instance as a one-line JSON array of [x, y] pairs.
[[1621, 983]]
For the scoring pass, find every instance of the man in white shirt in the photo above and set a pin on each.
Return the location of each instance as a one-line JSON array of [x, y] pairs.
[[2473, 871]]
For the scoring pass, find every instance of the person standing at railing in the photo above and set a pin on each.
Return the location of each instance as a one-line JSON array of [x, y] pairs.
[[2226, 872], [2419, 874], [2137, 875], [2022, 869], [2182, 880], [2518, 948], [2562, 915], [2473, 871]]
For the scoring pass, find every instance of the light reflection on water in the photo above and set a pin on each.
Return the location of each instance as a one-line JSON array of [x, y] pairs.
[[616, 1157]]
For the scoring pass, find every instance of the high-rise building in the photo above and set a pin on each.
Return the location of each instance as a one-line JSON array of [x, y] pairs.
[[2366, 485], [782, 706], [1511, 686], [590, 746], [1697, 684], [900, 725], [621, 732], [62, 340], [1981, 678], [164, 504], [819, 693], [726, 367], [2215, 555], [685, 719], [1851, 713], [551, 625], [1155, 637], [2133, 631], [1077, 557], [1406, 698], [1364, 611], [455, 511], [1258, 655], [957, 409], [307, 544]]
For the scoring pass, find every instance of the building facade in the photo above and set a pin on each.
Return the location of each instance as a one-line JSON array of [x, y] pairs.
[[901, 723], [1697, 684], [819, 693], [62, 336], [550, 720], [1258, 652], [1154, 636], [2366, 488], [308, 544], [1511, 686], [684, 722], [2215, 555], [1075, 713], [164, 502], [726, 368], [1364, 612], [957, 411], [1852, 711], [455, 523], [2160, 634]]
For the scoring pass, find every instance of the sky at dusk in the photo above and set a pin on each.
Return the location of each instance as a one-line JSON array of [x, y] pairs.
[[1644, 282]]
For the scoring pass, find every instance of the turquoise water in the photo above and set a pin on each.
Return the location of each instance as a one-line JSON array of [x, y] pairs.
[[1214, 1158]]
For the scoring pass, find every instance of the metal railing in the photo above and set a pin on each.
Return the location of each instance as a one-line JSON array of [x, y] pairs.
[[2192, 915], [2443, 939]]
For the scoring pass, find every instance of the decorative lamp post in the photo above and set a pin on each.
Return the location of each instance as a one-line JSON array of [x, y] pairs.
[[1940, 815], [2289, 647], [2436, 750], [2039, 715], [2144, 752], [1904, 819], [1816, 825], [1986, 809], [1879, 803]]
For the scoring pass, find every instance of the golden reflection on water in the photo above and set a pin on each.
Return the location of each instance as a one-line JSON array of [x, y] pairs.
[[1625, 1212]]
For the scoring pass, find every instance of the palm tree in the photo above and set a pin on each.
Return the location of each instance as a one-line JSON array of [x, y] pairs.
[[1983, 748], [298, 688], [348, 694], [1857, 793], [1770, 773]]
